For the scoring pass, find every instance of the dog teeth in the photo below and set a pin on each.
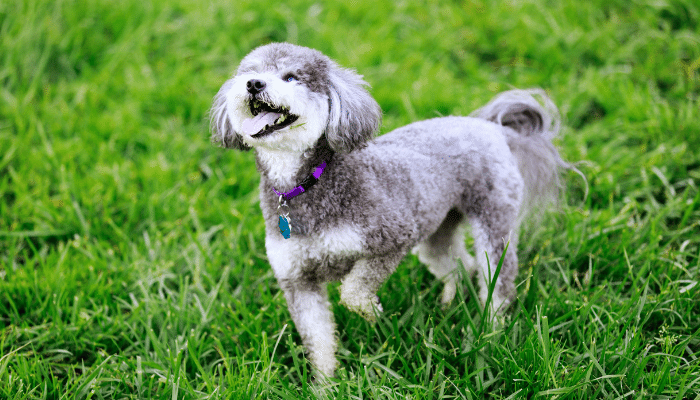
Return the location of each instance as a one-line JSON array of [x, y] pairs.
[[258, 106]]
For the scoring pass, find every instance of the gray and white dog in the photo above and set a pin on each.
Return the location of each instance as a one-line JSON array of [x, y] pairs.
[[340, 205]]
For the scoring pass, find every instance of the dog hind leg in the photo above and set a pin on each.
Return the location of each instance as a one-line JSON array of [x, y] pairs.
[[441, 251], [493, 242]]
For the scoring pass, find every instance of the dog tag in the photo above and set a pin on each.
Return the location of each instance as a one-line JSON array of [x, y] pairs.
[[285, 227]]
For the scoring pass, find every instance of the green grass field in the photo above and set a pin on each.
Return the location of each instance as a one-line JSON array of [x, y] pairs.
[[132, 262]]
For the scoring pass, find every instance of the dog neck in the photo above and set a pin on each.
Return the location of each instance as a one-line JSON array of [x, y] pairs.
[[285, 170], [279, 167]]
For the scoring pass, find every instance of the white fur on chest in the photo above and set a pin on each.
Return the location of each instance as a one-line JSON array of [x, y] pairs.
[[282, 166], [286, 255]]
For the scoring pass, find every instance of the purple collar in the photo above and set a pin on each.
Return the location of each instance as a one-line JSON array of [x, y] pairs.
[[305, 184]]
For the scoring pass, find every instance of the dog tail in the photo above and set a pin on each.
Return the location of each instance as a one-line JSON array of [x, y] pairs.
[[531, 127]]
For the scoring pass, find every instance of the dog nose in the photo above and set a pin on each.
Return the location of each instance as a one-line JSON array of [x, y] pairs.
[[255, 86]]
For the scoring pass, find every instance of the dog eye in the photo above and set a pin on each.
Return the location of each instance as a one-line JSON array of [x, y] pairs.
[[290, 78]]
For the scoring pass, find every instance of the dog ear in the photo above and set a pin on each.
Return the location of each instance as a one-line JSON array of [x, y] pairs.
[[222, 132], [354, 115]]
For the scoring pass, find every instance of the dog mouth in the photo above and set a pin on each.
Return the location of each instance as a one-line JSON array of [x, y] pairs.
[[266, 119]]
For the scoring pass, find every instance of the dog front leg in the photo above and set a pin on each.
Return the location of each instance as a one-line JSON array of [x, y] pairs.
[[358, 291], [311, 313]]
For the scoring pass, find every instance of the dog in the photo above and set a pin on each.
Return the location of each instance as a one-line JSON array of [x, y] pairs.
[[339, 204]]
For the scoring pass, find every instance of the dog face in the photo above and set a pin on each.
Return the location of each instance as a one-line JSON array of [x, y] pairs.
[[285, 97]]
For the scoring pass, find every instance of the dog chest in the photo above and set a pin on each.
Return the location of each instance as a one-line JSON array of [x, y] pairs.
[[325, 255]]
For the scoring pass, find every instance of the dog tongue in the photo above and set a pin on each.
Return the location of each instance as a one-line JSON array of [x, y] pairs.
[[251, 126]]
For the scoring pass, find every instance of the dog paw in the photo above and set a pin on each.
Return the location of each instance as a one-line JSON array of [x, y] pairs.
[[366, 306], [448, 293]]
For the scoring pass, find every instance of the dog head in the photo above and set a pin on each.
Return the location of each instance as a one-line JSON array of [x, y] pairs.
[[286, 97]]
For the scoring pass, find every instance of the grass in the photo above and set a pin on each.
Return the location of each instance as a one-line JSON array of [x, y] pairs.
[[132, 261]]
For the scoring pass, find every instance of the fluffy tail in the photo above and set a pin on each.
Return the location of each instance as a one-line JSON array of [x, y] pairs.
[[531, 126]]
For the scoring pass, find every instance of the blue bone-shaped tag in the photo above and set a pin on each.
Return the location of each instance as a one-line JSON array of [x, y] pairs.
[[285, 228]]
